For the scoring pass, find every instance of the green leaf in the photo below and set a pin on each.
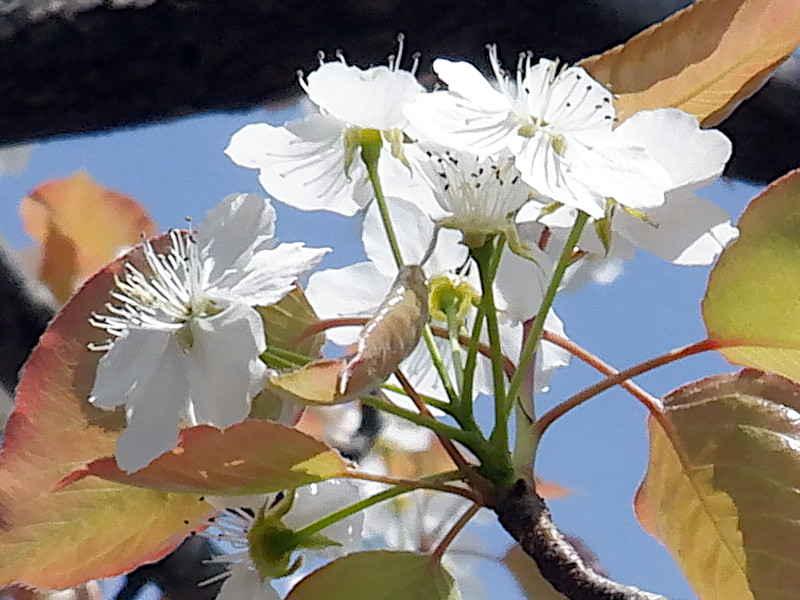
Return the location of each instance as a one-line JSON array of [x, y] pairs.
[[95, 528], [378, 575], [704, 59], [253, 457], [752, 304], [286, 321], [285, 324], [721, 485]]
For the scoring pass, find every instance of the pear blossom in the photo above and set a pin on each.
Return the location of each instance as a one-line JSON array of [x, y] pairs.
[[687, 229], [557, 121], [231, 528], [479, 197], [313, 163], [185, 338]]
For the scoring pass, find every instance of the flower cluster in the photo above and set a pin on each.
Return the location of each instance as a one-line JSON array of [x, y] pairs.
[[536, 146], [487, 184]]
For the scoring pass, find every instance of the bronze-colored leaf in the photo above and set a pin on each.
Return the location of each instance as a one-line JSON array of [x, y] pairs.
[[721, 486]]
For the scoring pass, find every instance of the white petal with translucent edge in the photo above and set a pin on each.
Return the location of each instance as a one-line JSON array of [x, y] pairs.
[[270, 274], [302, 164], [550, 357], [521, 283], [687, 230], [446, 119], [414, 229], [233, 231], [371, 98], [317, 500], [223, 365], [154, 408], [693, 157], [132, 361], [464, 79], [245, 584]]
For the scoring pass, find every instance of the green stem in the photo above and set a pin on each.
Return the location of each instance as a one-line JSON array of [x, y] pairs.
[[483, 256], [469, 439], [370, 152], [429, 400], [432, 483], [474, 342], [529, 348], [453, 330], [292, 359], [347, 511], [441, 369]]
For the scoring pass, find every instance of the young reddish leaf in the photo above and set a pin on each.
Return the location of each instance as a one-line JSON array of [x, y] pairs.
[[704, 59], [721, 485], [95, 528], [253, 457], [378, 575], [81, 226], [751, 305]]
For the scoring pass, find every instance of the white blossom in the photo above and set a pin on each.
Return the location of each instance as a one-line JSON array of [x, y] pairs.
[[687, 229], [556, 120], [478, 196], [314, 163], [185, 338]]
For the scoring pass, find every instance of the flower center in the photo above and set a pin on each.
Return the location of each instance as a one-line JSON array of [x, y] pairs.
[[166, 299]]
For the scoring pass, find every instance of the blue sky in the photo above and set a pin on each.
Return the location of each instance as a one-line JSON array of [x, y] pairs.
[[178, 170]]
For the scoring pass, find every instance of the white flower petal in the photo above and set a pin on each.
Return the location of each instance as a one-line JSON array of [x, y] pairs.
[[130, 363], [404, 435], [447, 119], [464, 79], [550, 357], [155, 406], [317, 500], [414, 231], [270, 274], [371, 98], [223, 365], [302, 164], [245, 584], [687, 230], [520, 283], [232, 231], [693, 157], [615, 169]]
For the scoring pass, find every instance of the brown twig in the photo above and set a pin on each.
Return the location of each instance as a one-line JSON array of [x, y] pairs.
[[525, 516], [554, 413], [650, 402], [454, 531]]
